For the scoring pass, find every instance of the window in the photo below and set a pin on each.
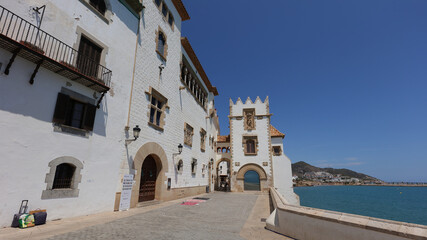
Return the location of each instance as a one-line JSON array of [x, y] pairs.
[[202, 139], [250, 145], [180, 166], [164, 9], [99, 5], [88, 58], [74, 113], [63, 176], [155, 111], [277, 150], [170, 19], [157, 108], [161, 44], [194, 166], [193, 84], [188, 135], [161, 5]]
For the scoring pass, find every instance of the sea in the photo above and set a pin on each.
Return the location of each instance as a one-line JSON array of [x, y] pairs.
[[405, 204]]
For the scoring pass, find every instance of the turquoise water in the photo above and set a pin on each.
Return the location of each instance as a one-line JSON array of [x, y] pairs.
[[406, 204]]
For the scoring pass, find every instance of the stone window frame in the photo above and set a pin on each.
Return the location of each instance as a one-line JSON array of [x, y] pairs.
[[168, 14], [277, 153], [244, 142], [85, 34], [106, 17], [203, 134], [165, 48], [188, 134], [246, 111], [154, 93], [72, 192]]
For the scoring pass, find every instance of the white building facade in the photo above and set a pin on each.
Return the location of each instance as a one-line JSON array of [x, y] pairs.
[[65, 78], [79, 76], [172, 101]]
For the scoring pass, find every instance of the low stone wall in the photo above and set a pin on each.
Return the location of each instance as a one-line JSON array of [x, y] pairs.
[[311, 223]]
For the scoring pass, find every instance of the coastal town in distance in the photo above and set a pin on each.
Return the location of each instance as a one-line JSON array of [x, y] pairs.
[[304, 174]]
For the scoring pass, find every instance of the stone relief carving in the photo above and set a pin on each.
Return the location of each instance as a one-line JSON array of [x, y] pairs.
[[249, 115], [188, 135]]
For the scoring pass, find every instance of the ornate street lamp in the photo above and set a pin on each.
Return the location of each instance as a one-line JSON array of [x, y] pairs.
[[136, 131]]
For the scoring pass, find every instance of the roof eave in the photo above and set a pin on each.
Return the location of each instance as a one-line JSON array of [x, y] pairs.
[[193, 57], [181, 10]]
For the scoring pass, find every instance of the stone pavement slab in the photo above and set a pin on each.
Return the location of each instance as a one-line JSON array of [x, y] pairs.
[[221, 217]]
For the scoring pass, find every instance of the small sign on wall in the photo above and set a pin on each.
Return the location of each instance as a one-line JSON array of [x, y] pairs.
[[126, 192]]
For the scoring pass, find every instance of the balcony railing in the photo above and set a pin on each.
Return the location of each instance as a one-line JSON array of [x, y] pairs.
[[28, 41]]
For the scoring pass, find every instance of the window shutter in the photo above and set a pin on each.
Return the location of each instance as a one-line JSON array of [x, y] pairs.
[[61, 108], [89, 118]]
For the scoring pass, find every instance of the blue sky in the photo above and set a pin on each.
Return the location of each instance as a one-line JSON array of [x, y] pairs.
[[346, 79]]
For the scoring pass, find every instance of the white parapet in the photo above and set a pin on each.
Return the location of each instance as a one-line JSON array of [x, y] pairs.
[[311, 223]]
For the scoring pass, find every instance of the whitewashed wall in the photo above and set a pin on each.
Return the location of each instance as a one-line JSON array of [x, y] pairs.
[[283, 174], [28, 142], [182, 106]]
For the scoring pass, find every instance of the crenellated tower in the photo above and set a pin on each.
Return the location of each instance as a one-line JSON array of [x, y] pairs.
[[257, 158]]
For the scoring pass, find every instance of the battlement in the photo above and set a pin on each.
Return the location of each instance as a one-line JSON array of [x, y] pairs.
[[249, 101], [261, 108]]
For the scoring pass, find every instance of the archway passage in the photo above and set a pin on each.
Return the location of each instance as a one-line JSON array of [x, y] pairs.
[[223, 177], [147, 186], [251, 181]]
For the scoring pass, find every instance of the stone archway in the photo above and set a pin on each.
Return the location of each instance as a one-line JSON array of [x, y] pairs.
[[156, 152], [222, 179], [240, 178]]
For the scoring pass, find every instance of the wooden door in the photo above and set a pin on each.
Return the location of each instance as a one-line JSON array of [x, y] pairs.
[[88, 58], [147, 187]]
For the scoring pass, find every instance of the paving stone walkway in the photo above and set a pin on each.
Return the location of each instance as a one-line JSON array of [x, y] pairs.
[[221, 217]]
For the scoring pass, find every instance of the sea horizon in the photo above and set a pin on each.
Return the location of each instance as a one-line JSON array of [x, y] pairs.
[[398, 203]]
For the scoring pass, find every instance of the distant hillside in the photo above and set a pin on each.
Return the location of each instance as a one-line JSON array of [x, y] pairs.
[[300, 168]]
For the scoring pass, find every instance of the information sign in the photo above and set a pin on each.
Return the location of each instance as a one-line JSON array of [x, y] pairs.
[[126, 192]]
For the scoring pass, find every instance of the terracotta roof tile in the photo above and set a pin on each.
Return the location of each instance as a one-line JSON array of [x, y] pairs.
[[275, 133]]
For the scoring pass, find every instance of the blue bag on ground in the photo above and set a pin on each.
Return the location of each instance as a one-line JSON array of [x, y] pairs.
[[40, 218]]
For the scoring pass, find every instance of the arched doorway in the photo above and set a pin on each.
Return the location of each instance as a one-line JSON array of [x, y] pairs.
[[147, 186], [251, 181], [247, 180], [156, 152]]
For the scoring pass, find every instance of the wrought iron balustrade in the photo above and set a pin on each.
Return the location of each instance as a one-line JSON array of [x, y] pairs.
[[44, 49]]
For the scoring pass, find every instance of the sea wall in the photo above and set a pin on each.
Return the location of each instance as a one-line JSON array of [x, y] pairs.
[[311, 223]]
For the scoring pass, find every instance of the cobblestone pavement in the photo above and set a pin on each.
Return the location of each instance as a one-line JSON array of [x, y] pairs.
[[221, 217]]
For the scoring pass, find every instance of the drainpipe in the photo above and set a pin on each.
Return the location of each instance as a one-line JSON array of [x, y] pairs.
[[133, 73]]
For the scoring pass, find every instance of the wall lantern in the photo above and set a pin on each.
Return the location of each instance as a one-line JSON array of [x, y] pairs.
[[136, 131], [180, 148]]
